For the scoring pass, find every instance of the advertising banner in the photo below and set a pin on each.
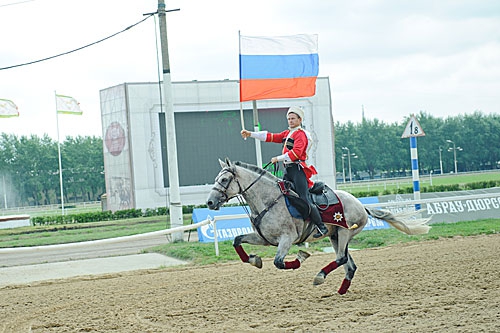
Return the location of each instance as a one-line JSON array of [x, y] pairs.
[[460, 206], [226, 229]]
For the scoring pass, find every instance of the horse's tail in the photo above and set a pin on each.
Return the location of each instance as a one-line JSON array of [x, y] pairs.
[[404, 221]]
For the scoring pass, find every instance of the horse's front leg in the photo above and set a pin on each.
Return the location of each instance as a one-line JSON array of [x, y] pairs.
[[251, 238], [283, 248]]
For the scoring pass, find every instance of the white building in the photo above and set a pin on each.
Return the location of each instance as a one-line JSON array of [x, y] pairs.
[[208, 122]]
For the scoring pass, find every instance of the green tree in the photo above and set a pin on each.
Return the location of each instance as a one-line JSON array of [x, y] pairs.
[[379, 146], [29, 166], [83, 168]]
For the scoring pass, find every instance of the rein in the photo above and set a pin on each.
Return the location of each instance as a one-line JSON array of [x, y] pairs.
[[258, 218], [251, 184], [240, 190], [256, 221], [275, 167]]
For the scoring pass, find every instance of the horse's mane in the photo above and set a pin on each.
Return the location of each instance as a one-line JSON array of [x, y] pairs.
[[256, 169]]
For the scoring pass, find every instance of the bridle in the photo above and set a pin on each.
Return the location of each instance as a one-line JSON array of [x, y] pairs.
[[241, 191], [258, 217]]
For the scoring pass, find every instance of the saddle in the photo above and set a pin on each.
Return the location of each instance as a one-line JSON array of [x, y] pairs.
[[320, 195]]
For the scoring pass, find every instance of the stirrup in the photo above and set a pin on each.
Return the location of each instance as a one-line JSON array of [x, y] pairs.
[[320, 232]]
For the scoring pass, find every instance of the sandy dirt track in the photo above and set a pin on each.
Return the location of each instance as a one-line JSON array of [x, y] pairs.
[[449, 285]]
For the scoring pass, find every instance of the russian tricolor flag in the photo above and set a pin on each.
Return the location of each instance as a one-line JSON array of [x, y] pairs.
[[278, 67]]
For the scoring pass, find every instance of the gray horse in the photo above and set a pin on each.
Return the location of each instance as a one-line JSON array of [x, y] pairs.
[[274, 225]]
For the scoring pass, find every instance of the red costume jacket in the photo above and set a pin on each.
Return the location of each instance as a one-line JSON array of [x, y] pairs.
[[296, 148]]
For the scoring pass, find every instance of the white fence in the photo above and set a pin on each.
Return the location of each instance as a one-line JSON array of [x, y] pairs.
[[214, 220], [115, 240], [44, 210]]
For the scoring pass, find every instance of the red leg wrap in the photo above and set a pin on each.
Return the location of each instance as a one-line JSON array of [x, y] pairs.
[[292, 264], [330, 267], [345, 285], [243, 255]]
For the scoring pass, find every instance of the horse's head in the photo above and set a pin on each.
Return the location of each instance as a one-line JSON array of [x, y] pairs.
[[225, 187]]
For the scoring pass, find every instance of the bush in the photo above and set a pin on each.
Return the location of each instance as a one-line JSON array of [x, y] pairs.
[[404, 190], [93, 217], [364, 194], [161, 211], [480, 185]]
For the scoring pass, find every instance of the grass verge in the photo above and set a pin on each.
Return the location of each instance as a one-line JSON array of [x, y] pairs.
[[79, 232], [204, 253]]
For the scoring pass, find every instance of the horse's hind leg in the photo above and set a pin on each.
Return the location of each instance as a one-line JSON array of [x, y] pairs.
[[251, 238], [321, 276], [340, 240], [350, 269]]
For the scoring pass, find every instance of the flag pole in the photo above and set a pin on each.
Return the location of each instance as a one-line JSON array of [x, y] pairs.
[[242, 118], [59, 155], [258, 151]]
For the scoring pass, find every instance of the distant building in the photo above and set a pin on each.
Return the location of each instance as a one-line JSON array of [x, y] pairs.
[[208, 125]]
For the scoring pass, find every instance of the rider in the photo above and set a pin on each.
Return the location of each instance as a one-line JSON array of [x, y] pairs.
[[295, 146]]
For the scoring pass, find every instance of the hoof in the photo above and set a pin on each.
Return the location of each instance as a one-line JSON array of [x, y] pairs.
[[319, 279], [255, 260], [302, 256]]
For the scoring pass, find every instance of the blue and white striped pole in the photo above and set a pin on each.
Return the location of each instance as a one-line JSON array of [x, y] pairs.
[[414, 170]]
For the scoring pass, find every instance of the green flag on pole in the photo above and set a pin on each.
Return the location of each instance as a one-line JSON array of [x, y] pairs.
[[8, 109], [67, 105]]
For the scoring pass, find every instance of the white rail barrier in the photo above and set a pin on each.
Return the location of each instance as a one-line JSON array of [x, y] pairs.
[[14, 221], [115, 240], [214, 220]]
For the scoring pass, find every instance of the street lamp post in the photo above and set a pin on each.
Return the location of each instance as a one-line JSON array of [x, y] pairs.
[[349, 163], [454, 153], [343, 167], [440, 160]]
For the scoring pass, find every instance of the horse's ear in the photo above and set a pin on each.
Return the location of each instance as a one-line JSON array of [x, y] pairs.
[[228, 162], [222, 164]]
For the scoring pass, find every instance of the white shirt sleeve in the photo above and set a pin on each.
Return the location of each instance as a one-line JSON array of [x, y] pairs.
[[284, 158], [310, 143], [261, 135]]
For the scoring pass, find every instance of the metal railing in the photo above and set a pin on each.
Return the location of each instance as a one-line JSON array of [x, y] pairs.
[[44, 210]]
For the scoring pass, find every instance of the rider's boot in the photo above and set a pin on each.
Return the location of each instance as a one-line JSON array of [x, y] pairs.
[[316, 219]]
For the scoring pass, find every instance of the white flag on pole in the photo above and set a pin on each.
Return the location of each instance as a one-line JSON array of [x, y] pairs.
[[67, 105], [8, 109]]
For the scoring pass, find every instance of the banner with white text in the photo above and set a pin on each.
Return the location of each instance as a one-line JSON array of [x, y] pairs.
[[453, 210]]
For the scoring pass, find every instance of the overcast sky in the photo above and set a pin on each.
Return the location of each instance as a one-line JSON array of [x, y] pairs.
[[394, 57]]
